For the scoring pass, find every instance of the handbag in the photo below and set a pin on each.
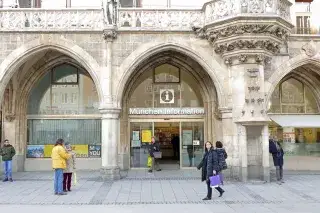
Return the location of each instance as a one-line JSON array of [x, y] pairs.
[[157, 155], [215, 181], [75, 181], [149, 162]]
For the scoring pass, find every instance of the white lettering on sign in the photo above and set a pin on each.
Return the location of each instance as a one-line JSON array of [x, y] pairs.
[[166, 111]]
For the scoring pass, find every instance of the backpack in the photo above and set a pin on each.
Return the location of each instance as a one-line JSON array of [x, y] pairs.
[[222, 155]]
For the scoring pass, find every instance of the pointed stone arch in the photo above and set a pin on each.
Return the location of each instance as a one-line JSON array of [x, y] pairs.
[[48, 42]]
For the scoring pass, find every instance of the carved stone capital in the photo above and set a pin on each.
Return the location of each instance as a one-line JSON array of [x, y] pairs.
[[109, 35]]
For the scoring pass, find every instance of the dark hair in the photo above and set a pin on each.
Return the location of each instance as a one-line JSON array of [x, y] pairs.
[[59, 142], [206, 150], [219, 144]]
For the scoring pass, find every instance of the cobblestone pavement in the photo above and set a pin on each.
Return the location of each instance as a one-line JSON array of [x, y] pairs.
[[168, 189]]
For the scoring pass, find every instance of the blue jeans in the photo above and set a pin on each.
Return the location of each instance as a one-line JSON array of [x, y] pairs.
[[7, 169], [58, 180]]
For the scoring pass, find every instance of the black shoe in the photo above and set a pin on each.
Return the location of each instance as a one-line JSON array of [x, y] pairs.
[[5, 180], [150, 171], [63, 193], [64, 190], [221, 193], [158, 170], [69, 190], [10, 180], [206, 198]]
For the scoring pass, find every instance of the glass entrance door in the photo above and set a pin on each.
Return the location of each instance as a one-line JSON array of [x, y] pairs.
[[192, 143], [181, 142]]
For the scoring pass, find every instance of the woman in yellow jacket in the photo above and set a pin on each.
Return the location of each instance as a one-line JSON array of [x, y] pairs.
[[59, 156]]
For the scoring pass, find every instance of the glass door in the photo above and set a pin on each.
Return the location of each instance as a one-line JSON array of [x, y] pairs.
[[140, 138], [192, 143]]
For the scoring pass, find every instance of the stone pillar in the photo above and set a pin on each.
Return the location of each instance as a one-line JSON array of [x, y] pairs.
[[265, 153], [243, 146], [109, 144], [106, 72], [110, 115]]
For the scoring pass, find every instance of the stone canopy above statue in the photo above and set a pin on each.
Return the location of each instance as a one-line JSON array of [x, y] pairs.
[[231, 27]]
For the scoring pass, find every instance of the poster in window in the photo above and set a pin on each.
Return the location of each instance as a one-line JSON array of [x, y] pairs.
[[94, 151], [48, 150], [187, 137], [146, 136], [81, 151], [135, 143], [135, 135], [35, 151]]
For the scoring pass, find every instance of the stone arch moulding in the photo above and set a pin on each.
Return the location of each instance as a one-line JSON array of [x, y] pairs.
[[285, 69], [20, 55], [129, 65]]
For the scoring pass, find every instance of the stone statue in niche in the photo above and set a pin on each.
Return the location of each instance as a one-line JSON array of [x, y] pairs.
[[109, 11]]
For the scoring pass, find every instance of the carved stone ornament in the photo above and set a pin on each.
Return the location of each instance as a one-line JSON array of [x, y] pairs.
[[267, 45], [109, 35], [10, 117], [242, 58], [262, 29], [310, 49]]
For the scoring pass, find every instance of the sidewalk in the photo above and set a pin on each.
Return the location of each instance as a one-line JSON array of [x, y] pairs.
[[138, 187]]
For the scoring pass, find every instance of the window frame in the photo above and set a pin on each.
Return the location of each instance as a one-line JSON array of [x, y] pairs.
[[64, 83], [165, 82]]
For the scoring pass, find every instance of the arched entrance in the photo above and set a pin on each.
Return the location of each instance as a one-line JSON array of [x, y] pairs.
[[170, 96], [50, 93], [294, 110]]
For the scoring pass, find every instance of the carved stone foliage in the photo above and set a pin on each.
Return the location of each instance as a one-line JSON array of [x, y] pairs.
[[243, 58], [253, 42], [260, 29], [247, 44]]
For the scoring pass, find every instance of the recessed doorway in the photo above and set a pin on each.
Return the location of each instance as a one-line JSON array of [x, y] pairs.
[[181, 142], [167, 135]]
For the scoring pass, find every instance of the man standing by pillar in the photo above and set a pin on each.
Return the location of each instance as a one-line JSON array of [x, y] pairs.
[[277, 153], [7, 152]]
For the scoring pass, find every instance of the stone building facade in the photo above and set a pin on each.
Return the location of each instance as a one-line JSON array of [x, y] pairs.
[[231, 60]]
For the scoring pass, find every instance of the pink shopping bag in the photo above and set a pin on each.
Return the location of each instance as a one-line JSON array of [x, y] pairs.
[[215, 181]]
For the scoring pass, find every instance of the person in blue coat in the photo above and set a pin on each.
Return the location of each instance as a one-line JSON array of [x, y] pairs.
[[277, 153]]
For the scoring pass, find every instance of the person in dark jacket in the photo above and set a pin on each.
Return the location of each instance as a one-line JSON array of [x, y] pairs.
[[277, 153], [7, 152], [210, 167], [222, 154], [154, 147]]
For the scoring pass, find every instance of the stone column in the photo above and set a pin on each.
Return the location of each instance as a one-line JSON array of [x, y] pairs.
[[242, 137], [265, 153], [110, 139], [110, 115], [106, 71]]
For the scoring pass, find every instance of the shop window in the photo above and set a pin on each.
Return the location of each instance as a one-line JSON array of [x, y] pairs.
[[83, 135], [292, 96], [67, 89]]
